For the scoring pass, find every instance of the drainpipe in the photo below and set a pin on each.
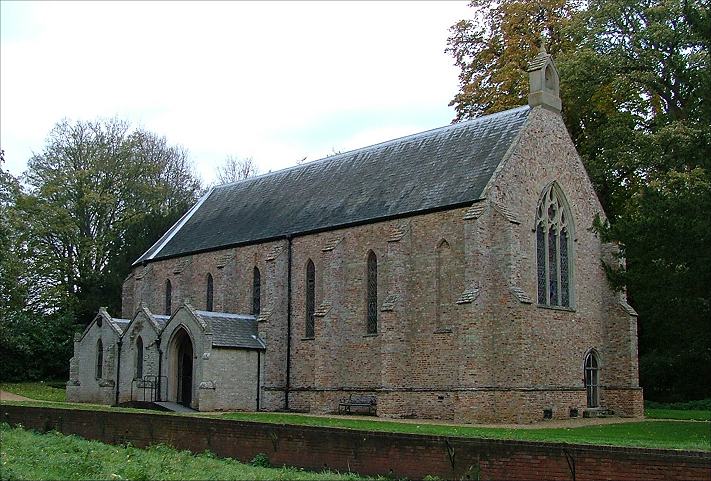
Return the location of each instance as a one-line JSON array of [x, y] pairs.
[[288, 325], [259, 354], [118, 369], [160, 369]]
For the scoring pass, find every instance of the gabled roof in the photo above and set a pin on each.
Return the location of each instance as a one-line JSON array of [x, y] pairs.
[[156, 321], [232, 330], [117, 324], [437, 169]]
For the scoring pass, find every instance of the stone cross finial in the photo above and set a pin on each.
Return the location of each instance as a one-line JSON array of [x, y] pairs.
[[543, 81]]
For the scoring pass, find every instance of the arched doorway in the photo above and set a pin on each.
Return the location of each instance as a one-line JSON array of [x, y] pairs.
[[592, 379], [183, 368]]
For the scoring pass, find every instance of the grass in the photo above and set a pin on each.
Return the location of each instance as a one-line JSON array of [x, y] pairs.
[[648, 434], [698, 404], [667, 428], [28, 455], [686, 414], [36, 390]]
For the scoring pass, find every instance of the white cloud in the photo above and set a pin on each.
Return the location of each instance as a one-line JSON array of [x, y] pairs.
[[228, 77]]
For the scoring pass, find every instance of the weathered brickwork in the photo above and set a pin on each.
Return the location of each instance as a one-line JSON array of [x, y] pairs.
[[460, 334], [492, 359], [395, 455]]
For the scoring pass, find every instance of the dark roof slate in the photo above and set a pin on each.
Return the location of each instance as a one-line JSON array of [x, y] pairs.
[[232, 330], [431, 170]]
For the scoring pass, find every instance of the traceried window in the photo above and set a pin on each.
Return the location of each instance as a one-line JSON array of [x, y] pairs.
[[310, 298], [139, 358], [372, 294], [554, 227], [168, 297], [209, 294], [256, 292], [99, 359], [592, 379]]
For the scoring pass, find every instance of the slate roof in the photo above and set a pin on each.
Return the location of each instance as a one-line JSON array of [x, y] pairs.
[[121, 323], [161, 320], [437, 169], [232, 330]]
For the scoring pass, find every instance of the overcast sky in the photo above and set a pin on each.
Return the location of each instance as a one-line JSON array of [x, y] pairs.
[[271, 80]]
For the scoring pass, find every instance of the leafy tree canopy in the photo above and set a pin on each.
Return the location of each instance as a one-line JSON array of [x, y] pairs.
[[96, 196]]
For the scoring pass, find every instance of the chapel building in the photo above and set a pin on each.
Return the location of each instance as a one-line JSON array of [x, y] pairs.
[[451, 274]]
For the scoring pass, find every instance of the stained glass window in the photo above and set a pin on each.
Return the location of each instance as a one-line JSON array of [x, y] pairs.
[[372, 295], [256, 292], [564, 271], [553, 249], [541, 261], [209, 294], [168, 297], [553, 266], [310, 298]]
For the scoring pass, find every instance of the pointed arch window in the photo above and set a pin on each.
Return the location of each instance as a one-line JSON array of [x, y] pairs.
[[99, 359], [168, 297], [310, 298], [139, 358], [592, 379], [554, 229], [256, 292], [372, 294], [209, 294]]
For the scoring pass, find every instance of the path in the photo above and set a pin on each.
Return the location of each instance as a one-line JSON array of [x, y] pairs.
[[8, 396]]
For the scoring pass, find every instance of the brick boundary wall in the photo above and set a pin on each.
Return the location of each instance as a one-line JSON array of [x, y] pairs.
[[370, 453]]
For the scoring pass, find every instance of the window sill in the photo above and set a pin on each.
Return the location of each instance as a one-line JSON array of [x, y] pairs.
[[308, 338], [375, 334], [556, 308]]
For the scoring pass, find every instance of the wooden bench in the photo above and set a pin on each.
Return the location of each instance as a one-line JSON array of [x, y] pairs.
[[365, 402]]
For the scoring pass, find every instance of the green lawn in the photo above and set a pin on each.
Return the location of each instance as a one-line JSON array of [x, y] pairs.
[[686, 414], [28, 455], [649, 434], [36, 390], [680, 429]]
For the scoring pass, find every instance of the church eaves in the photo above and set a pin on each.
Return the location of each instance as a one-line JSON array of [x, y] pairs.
[[433, 170]]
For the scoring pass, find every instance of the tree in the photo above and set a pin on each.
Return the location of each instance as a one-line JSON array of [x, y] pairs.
[[91, 187], [35, 336], [636, 91], [494, 48], [235, 168]]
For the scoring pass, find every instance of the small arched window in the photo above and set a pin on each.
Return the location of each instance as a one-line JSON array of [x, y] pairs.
[[554, 226], [592, 379], [310, 298], [372, 294], [99, 359], [209, 293], [256, 292], [168, 297], [139, 358]]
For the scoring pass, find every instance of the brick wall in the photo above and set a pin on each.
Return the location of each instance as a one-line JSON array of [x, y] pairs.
[[459, 333], [371, 453]]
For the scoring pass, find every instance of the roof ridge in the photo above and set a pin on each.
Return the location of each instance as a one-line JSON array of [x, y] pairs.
[[368, 147]]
